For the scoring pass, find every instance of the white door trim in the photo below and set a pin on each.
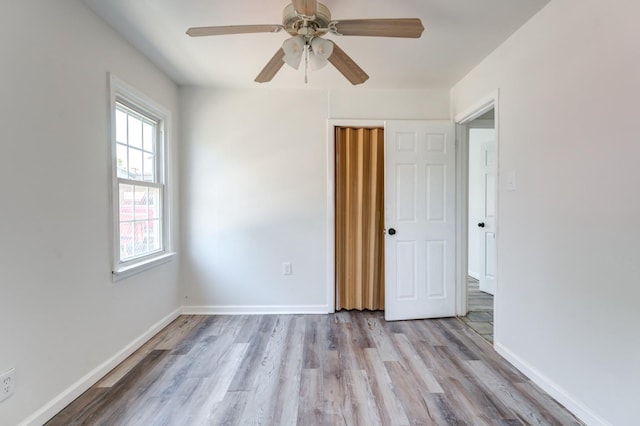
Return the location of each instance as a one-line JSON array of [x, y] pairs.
[[477, 109], [462, 211], [491, 101], [331, 200]]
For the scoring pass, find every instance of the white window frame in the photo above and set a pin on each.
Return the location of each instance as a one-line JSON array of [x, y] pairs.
[[121, 92]]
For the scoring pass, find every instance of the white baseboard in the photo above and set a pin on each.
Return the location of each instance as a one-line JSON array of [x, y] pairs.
[[552, 388], [255, 309], [54, 406]]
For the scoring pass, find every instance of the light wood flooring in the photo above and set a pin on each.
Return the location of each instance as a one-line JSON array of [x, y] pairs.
[[348, 368]]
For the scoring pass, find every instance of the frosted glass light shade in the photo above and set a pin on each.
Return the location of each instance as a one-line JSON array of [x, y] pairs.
[[293, 49], [322, 50]]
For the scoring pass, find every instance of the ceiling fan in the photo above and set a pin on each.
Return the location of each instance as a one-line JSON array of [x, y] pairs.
[[307, 21]]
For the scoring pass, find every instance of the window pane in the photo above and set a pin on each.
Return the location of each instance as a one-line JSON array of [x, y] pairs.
[[140, 225], [121, 161], [149, 172], [135, 164], [140, 238], [126, 202], [126, 240], [135, 132], [147, 137], [121, 126], [155, 237], [141, 203], [154, 204]]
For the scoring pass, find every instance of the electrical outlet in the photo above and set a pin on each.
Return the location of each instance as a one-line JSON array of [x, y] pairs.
[[286, 268], [7, 384]]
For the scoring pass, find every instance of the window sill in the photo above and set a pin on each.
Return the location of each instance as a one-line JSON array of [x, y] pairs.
[[136, 268]]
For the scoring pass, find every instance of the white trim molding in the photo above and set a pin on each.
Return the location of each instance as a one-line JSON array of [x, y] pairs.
[[55, 405], [549, 386], [477, 109], [256, 310]]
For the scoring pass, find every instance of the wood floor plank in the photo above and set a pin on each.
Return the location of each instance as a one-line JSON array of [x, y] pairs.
[[382, 339], [287, 407], [334, 390], [350, 346], [176, 331], [545, 403], [406, 388], [258, 341], [480, 346], [248, 328], [391, 410], [485, 403], [310, 405], [522, 407], [462, 347], [82, 410], [128, 364], [413, 361], [365, 409], [228, 411], [350, 368], [261, 411], [441, 411], [211, 390], [313, 342], [179, 330], [113, 402]]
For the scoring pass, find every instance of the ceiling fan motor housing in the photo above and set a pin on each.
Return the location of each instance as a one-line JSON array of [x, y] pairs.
[[293, 22]]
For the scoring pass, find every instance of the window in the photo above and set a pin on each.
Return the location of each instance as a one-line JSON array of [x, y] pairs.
[[140, 196]]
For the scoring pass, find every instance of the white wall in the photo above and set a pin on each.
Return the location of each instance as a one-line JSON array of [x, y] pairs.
[[361, 103], [254, 197], [254, 176], [567, 301], [61, 316]]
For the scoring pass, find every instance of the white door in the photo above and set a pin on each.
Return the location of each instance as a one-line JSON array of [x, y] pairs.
[[419, 220], [487, 225]]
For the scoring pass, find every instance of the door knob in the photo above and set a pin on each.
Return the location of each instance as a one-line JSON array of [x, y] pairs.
[[481, 225], [392, 231]]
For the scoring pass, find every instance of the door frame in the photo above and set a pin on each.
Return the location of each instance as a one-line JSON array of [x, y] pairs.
[[461, 120], [331, 199]]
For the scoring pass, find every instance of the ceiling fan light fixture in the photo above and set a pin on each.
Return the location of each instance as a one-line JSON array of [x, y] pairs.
[[293, 50], [308, 20], [322, 50]]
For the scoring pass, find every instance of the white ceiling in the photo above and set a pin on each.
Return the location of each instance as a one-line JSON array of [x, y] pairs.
[[458, 35]]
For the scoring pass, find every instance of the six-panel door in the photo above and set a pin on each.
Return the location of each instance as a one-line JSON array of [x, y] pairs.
[[419, 206]]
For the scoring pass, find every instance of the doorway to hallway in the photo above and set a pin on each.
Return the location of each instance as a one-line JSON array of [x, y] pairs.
[[481, 200]]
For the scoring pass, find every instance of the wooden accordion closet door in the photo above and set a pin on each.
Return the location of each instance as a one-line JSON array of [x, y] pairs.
[[359, 218]]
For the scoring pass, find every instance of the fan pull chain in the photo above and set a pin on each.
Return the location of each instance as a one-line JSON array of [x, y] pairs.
[[306, 64]]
